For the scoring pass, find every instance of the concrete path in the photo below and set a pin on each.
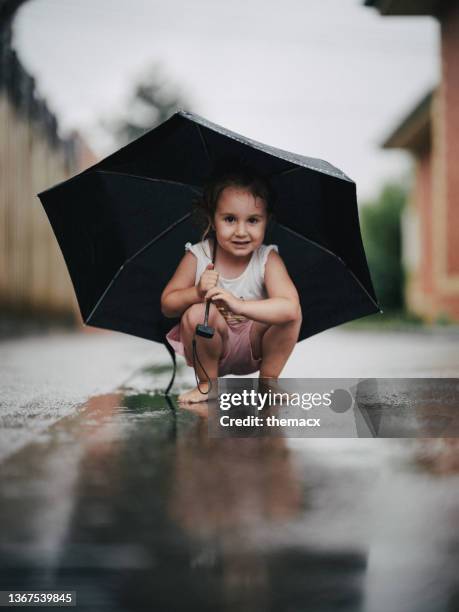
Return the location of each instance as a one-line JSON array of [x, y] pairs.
[[45, 378], [108, 491]]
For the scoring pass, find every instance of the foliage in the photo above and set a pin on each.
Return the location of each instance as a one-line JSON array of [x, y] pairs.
[[388, 320], [152, 100], [381, 233]]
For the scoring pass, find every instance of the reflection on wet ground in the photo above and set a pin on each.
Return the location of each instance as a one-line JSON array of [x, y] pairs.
[[133, 506]]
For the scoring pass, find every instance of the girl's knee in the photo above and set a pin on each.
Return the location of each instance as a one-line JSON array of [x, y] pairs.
[[300, 314], [295, 323], [193, 315], [299, 317]]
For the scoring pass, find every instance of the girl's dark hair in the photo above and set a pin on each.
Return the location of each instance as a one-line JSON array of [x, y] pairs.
[[231, 174]]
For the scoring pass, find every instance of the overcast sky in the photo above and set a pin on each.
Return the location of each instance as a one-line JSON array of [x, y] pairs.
[[324, 78]]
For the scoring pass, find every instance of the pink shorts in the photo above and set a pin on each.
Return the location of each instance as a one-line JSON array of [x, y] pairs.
[[237, 357]]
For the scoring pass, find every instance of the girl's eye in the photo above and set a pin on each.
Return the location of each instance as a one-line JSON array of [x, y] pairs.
[[231, 218]]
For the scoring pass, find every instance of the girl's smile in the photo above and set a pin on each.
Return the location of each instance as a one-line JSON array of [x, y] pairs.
[[240, 222]]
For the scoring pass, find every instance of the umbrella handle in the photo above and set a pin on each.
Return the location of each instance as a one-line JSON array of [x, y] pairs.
[[204, 330]]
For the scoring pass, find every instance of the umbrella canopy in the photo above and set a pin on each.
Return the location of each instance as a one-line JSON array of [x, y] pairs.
[[122, 225]]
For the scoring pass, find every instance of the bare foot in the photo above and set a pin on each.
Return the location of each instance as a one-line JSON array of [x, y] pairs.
[[266, 385], [200, 409], [194, 396]]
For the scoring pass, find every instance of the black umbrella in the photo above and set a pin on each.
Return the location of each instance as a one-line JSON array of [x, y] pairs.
[[122, 225]]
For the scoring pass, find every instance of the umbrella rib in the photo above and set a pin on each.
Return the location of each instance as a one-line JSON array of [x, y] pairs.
[[155, 239], [285, 155], [334, 255], [364, 288], [204, 143], [149, 178], [284, 172], [287, 229]]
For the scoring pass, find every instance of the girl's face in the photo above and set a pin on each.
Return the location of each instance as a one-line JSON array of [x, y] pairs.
[[240, 221]]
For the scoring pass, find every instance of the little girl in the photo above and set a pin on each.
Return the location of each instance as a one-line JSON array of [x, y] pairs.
[[254, 308]]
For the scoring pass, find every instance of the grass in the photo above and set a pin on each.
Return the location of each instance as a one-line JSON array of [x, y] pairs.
[[397, 319]]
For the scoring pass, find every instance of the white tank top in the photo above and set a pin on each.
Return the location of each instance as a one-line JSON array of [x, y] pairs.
[[249, 285]]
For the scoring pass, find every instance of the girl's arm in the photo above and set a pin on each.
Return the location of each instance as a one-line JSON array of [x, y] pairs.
[[181, 292], [282, 304]]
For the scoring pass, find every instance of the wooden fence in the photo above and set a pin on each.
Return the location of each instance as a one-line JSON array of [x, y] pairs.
[[33, 275]]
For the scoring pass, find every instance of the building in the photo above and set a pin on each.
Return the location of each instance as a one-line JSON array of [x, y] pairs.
[[430, 132]]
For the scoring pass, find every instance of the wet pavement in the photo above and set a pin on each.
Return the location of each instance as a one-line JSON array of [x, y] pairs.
[[44, 378], [125, 499]]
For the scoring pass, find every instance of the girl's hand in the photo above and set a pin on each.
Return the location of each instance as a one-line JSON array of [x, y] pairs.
[[208, 280], [225, 299]]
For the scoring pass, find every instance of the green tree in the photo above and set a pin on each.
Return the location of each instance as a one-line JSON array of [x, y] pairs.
[[153, 100], [380, 222]]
